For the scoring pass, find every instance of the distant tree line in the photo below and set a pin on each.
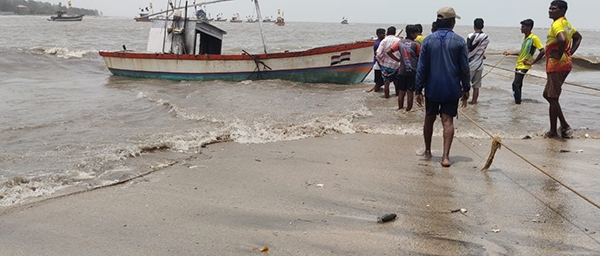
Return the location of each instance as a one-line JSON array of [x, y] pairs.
[[41, 8]]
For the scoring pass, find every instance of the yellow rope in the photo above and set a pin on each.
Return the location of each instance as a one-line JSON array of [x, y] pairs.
[[496, 144], [498, 62]]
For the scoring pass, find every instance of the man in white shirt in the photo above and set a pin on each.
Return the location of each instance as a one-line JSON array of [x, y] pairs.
[[389, 66], [477, 42]]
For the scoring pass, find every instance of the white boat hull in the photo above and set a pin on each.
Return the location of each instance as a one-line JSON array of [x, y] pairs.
[[343, 64]]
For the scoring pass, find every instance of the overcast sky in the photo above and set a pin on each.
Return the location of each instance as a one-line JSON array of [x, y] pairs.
[[494, 12]]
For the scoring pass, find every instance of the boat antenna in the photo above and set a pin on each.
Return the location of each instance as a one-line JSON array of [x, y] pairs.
[[259, 16]]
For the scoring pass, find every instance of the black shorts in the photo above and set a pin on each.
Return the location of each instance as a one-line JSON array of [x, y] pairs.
[[378, 77], [406, 83], [433, 108]]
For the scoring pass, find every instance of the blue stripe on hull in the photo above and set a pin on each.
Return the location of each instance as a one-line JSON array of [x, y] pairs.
[[348, 74]]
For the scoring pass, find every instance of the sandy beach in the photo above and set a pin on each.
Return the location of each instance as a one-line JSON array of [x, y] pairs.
[[322, 196]]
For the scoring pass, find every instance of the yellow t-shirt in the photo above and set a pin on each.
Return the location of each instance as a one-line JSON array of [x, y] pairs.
[[420, 39], [565, 63], [528, 49]]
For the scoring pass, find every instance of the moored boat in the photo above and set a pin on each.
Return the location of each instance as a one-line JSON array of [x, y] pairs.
[[235, 18], [344, 20], [268, 19], [63, 16], [280, 21], [142, 18], [183, 49]]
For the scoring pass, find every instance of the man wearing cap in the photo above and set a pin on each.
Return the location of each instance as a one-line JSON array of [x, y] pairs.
[[530, 44], [443, 76], [562, 42]]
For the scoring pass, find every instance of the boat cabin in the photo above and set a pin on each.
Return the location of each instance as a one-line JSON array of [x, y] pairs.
[[194, 37]]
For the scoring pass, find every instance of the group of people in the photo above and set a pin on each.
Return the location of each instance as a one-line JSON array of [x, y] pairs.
[[440, 69], [396, 61]]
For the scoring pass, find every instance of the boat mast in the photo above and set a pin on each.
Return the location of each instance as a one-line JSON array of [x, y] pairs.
[[259, 16]]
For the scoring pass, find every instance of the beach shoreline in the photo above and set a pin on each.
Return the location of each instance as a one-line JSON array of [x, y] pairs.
[[322, 196]]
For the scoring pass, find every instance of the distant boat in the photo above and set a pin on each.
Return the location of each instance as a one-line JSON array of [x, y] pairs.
[[268, 19], [143, 18], [344, 20], [63, 16], [280, 21], [251, 19], [235, 18]]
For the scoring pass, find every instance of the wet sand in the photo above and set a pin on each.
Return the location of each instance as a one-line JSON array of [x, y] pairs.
[[322, 196]]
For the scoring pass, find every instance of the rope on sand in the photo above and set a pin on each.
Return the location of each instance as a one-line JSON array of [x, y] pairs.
[[497, 143], [500, 60]]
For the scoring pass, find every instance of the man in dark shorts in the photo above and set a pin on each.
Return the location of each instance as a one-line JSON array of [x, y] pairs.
[[562, 42], [376, 68], [389, 66], [409, 57], [443, 72], [530, 44]]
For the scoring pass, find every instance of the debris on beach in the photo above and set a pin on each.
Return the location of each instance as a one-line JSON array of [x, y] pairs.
[[264, 249], [496, 230], [320, 185], [527, 137], [386, 218], [564, 151], [461, 210]]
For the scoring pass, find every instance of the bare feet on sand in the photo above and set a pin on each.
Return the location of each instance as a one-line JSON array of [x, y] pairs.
[[551, 135], [565, 132], [446, 162], [425, 153]]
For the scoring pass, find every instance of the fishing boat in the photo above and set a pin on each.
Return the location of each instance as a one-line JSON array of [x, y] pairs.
[[251, 19], [143, 18], [344, 20], [268, 19], [220, 18], [63, 16], [235, 18], [184, 49], [280, 21]]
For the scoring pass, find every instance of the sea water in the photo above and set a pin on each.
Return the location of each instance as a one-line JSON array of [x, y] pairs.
[[66, 121]]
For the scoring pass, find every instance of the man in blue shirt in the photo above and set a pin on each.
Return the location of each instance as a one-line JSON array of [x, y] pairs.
[[376, 69], [443, 72]]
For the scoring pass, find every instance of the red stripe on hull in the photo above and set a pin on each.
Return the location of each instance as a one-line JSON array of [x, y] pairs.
[[315, 51]]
